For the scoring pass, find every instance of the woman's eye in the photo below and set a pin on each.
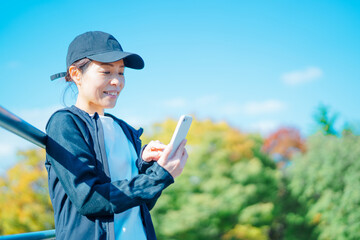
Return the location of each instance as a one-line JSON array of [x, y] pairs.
[[106, 72], [121, 73]]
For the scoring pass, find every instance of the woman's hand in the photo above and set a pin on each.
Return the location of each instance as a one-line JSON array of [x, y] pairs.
[[176, 163], [153, 151]]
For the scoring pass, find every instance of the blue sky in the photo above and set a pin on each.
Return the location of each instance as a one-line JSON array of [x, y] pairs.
[[255, 64]]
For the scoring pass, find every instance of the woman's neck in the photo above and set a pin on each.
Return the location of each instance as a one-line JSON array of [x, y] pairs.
[[88, 108]]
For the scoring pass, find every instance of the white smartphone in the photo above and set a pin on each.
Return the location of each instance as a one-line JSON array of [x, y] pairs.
[[180, 132]]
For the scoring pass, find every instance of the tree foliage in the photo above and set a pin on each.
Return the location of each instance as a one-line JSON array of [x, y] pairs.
[[24, 198], [325, 121], [283, 144], [230, 188], [326, 182], [227, 189]]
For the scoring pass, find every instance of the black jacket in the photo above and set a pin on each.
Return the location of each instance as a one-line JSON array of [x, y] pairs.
[[83, 197]]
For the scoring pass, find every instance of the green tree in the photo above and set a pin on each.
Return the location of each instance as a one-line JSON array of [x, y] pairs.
[[325, 121], [24, 199], [227, 190], [326, 182]]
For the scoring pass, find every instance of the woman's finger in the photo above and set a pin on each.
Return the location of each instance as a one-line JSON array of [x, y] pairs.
[[154, 154], [156, 146], [184, 159], [180, 149], [166, 152], [153, 146], [151, 156]]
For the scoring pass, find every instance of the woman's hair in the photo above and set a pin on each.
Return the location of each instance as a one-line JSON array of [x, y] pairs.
[[81, 64]]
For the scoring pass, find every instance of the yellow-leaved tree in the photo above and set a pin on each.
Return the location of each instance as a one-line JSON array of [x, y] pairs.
[[24, 198]]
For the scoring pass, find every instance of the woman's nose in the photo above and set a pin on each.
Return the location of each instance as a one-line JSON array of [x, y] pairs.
[[118, 81]]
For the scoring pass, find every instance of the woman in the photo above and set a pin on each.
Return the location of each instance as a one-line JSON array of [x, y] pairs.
[[102, 184]]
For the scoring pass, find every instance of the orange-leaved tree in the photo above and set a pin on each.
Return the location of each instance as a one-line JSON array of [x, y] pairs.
[[283, 144]]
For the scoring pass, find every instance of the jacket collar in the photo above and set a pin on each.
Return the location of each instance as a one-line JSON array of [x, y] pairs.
[[86, 116]]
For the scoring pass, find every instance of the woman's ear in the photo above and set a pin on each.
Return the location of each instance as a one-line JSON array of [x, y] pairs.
[[75, 74]]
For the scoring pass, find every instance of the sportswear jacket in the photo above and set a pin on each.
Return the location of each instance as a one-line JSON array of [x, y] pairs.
[[83, 196]]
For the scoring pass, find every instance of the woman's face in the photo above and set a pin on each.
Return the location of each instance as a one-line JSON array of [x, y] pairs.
[[99, 86]]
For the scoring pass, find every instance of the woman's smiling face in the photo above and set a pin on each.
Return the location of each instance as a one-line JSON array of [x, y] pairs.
[[99, 86]]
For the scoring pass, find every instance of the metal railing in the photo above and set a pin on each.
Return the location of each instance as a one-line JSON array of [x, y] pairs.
[[16, 125], [48, 234]]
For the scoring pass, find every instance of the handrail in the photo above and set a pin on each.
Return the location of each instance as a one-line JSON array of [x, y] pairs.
[[48, 234], [16, 125]]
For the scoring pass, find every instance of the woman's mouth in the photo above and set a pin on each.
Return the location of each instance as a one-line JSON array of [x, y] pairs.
[[111, 93]]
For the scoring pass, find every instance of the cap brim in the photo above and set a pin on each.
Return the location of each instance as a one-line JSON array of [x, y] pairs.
[[131, 60]]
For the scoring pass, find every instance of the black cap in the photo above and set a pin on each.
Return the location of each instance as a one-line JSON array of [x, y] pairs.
[[101, 47]]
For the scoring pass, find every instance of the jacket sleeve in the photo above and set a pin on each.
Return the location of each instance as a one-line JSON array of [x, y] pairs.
[[143, 166], [89, 190]]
